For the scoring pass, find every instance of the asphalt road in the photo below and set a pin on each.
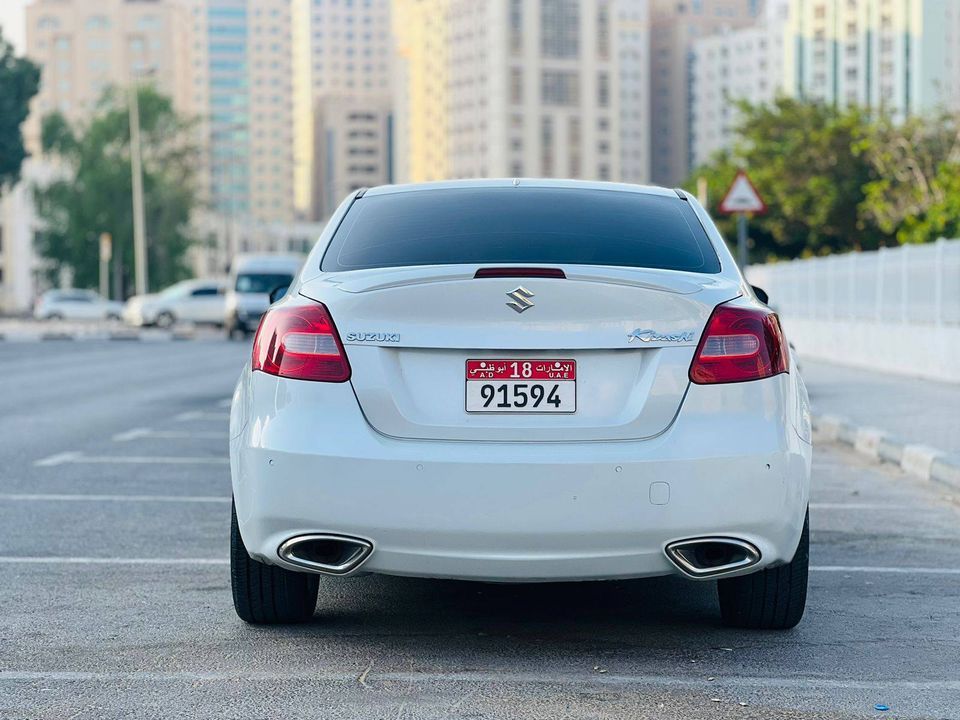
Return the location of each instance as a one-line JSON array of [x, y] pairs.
[[115, 598]]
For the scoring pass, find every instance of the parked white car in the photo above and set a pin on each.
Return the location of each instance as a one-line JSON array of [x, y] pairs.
[[521, 381], [252, 279], [75, 305], [195, 301]]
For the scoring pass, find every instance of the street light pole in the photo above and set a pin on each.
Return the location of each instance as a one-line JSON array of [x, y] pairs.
[[136, 168]]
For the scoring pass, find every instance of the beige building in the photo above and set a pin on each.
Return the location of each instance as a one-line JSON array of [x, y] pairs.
[[84, 47], [674, 26], [343, 116], [512, 88], [732, 66], [241, 69], [633, 30], [420, 90], [351, 147], [227, 63], [903, 55]]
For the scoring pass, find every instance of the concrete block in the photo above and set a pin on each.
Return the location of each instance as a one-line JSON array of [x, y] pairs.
[[867, 441], [918, 459]]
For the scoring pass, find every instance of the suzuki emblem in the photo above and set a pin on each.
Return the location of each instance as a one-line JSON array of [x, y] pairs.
[[521, 299]]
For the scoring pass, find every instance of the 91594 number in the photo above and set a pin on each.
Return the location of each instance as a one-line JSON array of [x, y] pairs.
[[519, 395]]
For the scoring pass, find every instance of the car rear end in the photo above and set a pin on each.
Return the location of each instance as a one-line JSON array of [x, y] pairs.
[[520, 382]]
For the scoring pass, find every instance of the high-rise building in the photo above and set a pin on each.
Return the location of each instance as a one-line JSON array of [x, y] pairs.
[[730, 66], [344, 99], [241, 66], [226, 63], [674, 26], [633, 38], [421, 89], [901, 56], [84, 47], [511, 88]]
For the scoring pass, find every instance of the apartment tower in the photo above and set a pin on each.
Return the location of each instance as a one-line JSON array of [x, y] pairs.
[[513, 88], [674, 26], [899, 55], [342, 52]]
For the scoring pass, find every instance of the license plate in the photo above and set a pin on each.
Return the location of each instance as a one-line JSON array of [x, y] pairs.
[[521, 386]]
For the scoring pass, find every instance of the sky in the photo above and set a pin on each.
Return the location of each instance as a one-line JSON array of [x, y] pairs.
[[11, 21]]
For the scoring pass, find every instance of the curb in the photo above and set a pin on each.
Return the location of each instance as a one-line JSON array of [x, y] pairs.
[[919, 460], [114, 335]]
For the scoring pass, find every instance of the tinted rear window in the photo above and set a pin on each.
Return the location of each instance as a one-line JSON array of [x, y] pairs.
[[500, 226]]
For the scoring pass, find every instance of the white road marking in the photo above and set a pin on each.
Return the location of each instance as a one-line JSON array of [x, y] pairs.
[[28, 560], [201, 415], [802, 683], [217, 561], [139, 433], [131, 434], [897, 570], [113, 498], [80, 458], [58, 459]]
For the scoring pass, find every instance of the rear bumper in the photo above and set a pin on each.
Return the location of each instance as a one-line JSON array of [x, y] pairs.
[[307, 462]]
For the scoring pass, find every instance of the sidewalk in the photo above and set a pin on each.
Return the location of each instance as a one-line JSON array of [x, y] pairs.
[[915, 411]]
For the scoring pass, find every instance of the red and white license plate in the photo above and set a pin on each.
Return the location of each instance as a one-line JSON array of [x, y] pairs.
[[521, 386]]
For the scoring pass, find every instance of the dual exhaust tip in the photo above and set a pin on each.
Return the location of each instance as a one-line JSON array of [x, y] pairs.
[[708, 557], [326, 554], [697, 558]]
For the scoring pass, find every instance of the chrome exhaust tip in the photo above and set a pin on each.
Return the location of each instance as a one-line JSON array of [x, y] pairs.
[[327, 554], [708, 557]]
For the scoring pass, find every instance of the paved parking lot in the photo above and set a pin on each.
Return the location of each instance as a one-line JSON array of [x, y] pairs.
[[115, 600]]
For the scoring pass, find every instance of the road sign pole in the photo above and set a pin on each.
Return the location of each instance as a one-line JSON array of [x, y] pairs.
[[136, 170], [742, 198], [742, 240], [106, 252]]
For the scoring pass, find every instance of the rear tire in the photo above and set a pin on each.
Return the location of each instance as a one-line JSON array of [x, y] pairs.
[[266, 594], [772, 599]]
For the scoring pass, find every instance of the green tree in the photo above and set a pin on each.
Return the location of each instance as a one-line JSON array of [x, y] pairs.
[[19, 81], [916, 193], [95, 194], [808, 161]]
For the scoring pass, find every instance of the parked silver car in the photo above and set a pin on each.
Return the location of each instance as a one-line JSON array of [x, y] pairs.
[[196, 301], [75, 305]]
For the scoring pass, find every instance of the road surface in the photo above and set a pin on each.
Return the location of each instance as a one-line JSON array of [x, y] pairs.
[[114, 515]]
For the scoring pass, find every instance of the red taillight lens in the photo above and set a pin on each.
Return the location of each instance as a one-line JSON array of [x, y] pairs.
[[300, 343], [740, 344]]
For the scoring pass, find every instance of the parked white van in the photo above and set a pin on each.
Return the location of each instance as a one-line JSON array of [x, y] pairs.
[[252, 279]]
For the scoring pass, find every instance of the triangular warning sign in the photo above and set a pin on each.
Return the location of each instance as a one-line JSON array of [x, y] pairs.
[[742, 197]]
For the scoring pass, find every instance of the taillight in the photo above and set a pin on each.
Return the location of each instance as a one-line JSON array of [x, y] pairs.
[[300, 343], [740, 344]]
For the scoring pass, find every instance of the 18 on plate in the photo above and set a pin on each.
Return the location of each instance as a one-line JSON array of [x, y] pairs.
[[521, 381]]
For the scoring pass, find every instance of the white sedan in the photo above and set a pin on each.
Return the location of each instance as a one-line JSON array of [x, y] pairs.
[[196, 301], [521, 381], [75, 305]]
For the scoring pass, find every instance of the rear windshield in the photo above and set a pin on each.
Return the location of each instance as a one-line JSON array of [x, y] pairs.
[[261, 282], [542, 226]]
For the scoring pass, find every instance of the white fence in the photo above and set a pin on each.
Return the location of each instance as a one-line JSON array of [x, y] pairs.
[[895, 309]]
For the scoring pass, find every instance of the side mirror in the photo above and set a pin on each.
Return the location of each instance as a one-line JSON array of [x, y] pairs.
[[761, 295], [278, 292]]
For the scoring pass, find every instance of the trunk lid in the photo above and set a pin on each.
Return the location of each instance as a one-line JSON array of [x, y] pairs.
[[408, 333]]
